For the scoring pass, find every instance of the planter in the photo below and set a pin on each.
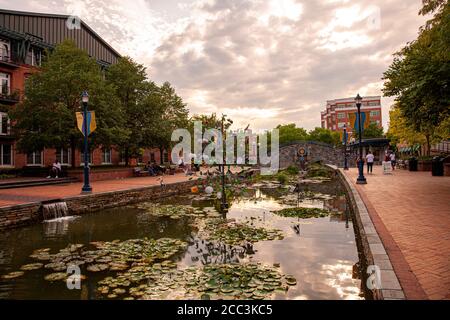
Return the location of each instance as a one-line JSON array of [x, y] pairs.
[[101, 174], [447, 169], [424, 165]]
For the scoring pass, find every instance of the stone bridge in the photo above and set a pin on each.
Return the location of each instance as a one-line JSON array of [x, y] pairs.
[[311, 151]]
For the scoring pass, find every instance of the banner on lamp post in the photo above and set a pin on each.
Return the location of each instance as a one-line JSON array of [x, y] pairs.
[[91, 122]]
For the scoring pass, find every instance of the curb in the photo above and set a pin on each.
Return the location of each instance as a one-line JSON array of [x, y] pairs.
[[374, 251]]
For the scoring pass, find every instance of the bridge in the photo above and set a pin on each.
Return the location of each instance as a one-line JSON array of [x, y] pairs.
[[312, 151]]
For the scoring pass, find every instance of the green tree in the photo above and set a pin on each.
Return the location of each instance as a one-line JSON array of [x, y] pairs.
[[140, 103], [419, 77], [325, 136], [46, 117], [172, 114], [290, 133], [372, 131]]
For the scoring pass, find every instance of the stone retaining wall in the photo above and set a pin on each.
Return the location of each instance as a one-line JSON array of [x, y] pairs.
[[29, 214], [373, 251]]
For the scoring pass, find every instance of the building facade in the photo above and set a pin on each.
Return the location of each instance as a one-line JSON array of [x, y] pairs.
[[340, 112], [24, 39]]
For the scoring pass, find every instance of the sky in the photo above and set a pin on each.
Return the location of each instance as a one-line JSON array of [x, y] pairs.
[[261, 62]]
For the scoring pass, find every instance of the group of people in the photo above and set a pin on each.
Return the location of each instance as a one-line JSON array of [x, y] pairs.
[[370, 159], [154, 170]]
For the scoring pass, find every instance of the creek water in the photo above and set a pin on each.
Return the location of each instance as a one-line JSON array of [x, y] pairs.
[[321, 253]]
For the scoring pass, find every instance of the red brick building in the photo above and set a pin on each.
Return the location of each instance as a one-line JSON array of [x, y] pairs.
[[340, 111], [24, 37]]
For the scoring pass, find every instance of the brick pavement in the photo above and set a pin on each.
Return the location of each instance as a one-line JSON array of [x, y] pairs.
[[411, 212], [17, 196]]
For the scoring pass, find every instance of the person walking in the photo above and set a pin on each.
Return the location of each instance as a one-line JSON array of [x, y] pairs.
[[370, 159], [393, 160]]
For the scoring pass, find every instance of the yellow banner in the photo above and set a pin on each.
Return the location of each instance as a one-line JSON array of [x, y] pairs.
[[91, 121]]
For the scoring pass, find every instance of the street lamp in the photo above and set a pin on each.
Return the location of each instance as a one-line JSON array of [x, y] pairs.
[[361, 178], [224, 205], [85, 100], [345, 148]]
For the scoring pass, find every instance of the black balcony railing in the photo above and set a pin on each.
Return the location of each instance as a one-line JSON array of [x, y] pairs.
[[6, 96]]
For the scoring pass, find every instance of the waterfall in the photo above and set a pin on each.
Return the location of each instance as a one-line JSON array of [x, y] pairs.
[[56, 210]]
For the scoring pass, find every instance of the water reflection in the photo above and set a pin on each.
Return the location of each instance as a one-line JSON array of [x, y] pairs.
[[320, 253]]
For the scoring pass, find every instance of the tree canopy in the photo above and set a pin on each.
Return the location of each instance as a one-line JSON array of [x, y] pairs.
[[419, 77], [132, 112], [46, 117]]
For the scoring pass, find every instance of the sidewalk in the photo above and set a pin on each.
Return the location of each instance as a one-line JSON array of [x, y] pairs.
[[411, 212], [17, 196]]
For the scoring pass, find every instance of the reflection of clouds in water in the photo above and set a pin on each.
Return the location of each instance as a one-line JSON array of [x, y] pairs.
[[58, 227], [340, 278]]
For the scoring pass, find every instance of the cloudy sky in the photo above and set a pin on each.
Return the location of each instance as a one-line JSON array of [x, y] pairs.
[[262, 62]]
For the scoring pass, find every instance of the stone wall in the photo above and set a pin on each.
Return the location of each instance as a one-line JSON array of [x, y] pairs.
[[102, 174], [24, 215], [316, 151], [371, 246]]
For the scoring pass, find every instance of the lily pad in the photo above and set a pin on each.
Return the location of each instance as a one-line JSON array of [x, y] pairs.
[[31, 266], [13, 275], [56, 277]]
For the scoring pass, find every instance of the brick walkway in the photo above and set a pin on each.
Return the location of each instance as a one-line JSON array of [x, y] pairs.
[[17, 196], [411, 212]]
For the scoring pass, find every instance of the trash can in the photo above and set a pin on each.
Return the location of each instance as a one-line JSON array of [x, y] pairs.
[[412, 164], [437, 168]]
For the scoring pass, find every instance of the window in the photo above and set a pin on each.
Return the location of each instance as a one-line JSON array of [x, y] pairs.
[[34, 159], [372, 104], [90, 157], [341, 115], [5, 155], [375, 113], [4, 50], [341, 125], [165, 157], [5, 83], [63, 156], [4, 124], [106, 156]]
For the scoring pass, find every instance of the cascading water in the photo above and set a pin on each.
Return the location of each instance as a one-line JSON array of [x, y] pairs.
[[56, 210]]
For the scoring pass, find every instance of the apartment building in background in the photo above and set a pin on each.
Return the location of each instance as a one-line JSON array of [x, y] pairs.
[[341, 112], [24, 39]]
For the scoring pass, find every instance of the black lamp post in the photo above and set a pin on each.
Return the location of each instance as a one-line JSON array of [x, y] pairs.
[[361, 178], [86, 187], [345, 148], [224, 205]]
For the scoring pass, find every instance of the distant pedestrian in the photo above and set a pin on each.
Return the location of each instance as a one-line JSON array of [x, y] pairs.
[[370, 159], [55, 170], [393, 160]]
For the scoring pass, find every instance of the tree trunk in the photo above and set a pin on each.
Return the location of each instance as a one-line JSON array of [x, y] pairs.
[[161, 158], [127, 156], [72, 153], [427, 137]]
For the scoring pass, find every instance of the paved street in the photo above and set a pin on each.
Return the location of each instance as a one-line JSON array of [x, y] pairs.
[[10, 197], [411, 212]]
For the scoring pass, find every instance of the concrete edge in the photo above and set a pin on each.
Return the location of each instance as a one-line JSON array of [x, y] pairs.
[[374, 251], [22, 215]]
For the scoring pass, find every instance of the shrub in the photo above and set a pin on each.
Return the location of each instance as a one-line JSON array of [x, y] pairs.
[[282, 178], [292, 170]]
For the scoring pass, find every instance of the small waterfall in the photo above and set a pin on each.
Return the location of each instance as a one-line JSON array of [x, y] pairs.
[[56, 210]]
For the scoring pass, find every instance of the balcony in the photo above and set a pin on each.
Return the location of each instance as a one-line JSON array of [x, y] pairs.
[[7, 60], [7, 97]]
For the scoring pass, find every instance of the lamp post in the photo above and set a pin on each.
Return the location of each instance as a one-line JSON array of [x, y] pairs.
[[361, 179], [85, 100], [345, 148], [224, 205]]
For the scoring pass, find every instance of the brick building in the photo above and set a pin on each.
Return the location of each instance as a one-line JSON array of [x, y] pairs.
[[340, 111], [24, 38]]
